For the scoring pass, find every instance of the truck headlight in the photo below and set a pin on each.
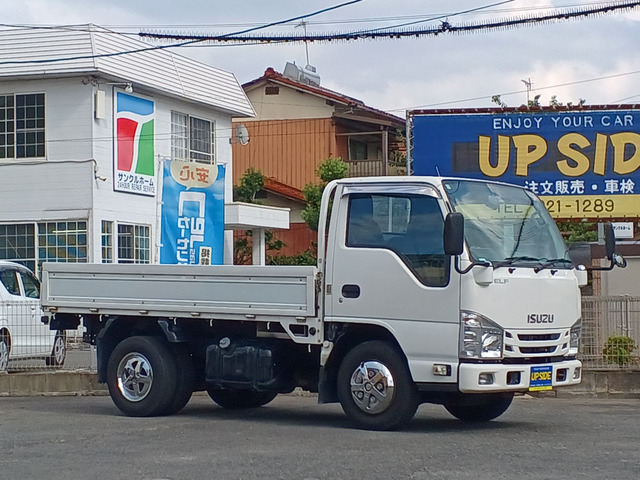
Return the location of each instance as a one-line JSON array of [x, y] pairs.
[[479, 337], [574, 343]]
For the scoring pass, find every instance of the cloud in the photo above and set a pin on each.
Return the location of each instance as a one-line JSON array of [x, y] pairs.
[[392, 74]]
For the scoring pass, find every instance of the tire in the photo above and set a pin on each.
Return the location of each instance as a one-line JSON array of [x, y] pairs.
[[239, 399], [186, 380], [59, 351], [4, 353], [375, 387], [142, 376], [478, 407]]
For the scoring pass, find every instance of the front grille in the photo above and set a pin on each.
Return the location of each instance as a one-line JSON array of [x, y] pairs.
[[537, 350], [543, 337], [539, 345], [532, 360]]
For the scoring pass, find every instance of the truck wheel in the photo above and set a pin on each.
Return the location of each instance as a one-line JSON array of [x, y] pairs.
[[375, 387], [239, 399], [186, 380], [142, 376], [4, 353], [58, 352], [479, 407]]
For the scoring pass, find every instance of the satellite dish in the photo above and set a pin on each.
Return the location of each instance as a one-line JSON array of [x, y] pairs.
[[242, 134]]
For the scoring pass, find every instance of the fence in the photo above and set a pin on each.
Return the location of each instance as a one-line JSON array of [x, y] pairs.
[[610, 336], [610, 332], [27, 342]]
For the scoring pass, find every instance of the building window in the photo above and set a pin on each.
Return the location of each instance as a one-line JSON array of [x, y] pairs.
[[17, 243], [358, 150], [133, 243], [192, 139], [62, 242], [22, 126], [107, 242], [32, 244]]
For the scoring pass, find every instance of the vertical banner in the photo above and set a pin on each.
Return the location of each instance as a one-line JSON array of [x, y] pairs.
[[134, 159], [192, 220]]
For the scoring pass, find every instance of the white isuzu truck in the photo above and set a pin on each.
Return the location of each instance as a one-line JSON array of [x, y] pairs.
[[427, 289]]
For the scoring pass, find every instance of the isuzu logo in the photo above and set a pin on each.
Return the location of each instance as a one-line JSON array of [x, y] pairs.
[[540, 318]]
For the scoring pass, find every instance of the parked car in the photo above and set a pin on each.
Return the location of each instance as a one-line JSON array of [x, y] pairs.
[[24, 330]]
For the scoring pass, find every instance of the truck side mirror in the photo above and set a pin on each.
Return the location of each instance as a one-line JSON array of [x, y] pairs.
[[454, 234], [609, 240], [616, 259], [610, 246]]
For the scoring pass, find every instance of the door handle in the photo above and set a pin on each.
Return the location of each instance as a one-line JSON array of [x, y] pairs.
[[350, 291]]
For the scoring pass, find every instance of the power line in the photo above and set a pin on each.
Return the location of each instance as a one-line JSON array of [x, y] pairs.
[[519, 92], [556, 15], [440, 17], [181, 44], [120, 28]]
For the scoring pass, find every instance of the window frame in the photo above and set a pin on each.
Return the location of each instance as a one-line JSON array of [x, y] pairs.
[[420, 263], [140, 254], [32, 243], [23, 136], [185, 142]]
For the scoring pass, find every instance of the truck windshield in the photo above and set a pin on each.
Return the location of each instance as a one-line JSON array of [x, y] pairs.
[[507, 225]]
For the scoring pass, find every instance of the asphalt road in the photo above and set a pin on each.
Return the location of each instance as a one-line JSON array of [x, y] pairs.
[[294, 438]]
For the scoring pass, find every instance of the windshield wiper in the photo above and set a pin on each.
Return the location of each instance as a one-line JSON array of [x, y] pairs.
[[552, 262], [512, 260]]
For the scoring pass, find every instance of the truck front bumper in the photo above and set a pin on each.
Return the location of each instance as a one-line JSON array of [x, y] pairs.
[[479, 377]]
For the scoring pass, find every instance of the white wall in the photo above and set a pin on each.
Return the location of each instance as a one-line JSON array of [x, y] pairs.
[[59, 185], [289, 103], [622, 281], [37, 189]]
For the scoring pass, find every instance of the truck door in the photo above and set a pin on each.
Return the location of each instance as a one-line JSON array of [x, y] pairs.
[[386, 266]]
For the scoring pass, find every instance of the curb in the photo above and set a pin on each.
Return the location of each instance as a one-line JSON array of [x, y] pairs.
[[60, 383], [605, 384], [595, 383]]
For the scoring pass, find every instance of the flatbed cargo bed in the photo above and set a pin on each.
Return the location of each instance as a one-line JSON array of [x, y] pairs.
[[208, 292]]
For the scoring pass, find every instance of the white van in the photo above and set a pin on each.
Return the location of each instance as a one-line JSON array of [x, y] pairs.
[[24, 331]]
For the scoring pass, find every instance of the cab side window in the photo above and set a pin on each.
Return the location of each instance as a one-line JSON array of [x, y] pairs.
[[412, 226], [362, 228], [421, 245], [10, 281], [31, 285]]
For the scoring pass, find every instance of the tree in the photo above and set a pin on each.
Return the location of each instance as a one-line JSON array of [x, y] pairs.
[[333, 168], [536, 102], [251, 183], [578, 231], [555, 103]]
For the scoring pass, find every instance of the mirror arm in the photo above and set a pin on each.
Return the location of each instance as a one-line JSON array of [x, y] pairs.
[[601, 269], [616, 261], [456, 265]]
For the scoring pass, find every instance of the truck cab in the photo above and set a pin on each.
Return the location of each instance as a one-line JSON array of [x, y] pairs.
[[502, 317]]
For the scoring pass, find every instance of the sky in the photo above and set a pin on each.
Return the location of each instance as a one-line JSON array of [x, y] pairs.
[[594, 59]]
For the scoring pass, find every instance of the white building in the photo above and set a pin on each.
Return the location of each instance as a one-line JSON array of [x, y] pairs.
[[60, 196]]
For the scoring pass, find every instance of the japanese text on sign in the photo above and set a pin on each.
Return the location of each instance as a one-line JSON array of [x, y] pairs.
[[590, 155]]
